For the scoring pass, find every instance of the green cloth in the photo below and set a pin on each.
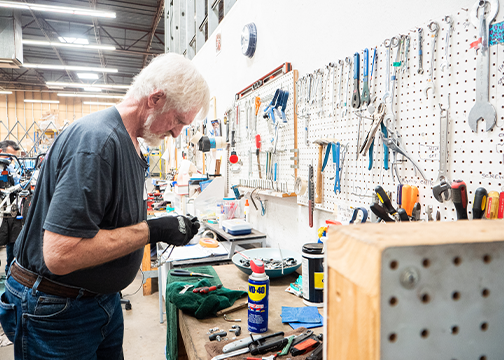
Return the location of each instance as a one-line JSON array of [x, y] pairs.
[[210, 300], [201, 305]]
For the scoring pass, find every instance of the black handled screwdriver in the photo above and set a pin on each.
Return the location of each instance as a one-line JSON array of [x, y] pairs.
[[479, 203]]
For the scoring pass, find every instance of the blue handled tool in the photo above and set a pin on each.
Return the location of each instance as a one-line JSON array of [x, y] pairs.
[[336, 160], [326, 156], [283, 105], [356, 212], [365, 98], [385, 147], [356, 101], [268, 110]]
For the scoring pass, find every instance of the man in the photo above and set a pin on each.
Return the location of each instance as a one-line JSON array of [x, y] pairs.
[[11, 225], [85, 232]]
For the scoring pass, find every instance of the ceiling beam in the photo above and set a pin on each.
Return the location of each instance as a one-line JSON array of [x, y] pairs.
[[96, 27], [155, 22]]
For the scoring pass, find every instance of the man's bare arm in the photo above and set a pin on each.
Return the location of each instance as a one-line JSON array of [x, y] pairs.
[[65, 254]]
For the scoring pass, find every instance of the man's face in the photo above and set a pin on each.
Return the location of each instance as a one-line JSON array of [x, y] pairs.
[[10, 150], [168, 124]]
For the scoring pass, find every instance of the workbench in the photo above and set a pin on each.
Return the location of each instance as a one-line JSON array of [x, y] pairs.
[[254, 237], [193, 332]]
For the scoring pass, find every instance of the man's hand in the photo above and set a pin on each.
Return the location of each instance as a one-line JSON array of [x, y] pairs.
[[176, 230]]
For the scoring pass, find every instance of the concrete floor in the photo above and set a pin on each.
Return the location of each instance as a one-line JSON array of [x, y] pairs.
[[144, 336]]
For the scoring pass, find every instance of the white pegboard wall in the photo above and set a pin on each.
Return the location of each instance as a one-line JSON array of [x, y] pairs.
[[476, 158], [245, 140]]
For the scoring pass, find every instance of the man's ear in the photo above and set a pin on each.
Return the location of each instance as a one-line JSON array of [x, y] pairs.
[[156, 100]]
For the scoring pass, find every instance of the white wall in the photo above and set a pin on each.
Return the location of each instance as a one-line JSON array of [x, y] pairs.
[[309, 34]]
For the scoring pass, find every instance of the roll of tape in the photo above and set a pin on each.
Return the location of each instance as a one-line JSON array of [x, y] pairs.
[[196, 137], [300, 186], [209, 234]]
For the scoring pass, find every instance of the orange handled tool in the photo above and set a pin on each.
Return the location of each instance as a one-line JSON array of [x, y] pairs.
[[409, 198], [492, 209], [257, 104]]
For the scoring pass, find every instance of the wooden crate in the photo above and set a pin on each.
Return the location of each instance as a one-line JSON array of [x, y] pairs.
[[415, 291]]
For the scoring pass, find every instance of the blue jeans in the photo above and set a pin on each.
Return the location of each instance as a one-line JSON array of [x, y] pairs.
[[43, 326]]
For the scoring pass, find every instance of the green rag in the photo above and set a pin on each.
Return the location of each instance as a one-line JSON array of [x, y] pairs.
[[171, 309], [201, 305]]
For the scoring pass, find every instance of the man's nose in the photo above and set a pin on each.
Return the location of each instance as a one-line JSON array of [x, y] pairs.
[[176, 131]]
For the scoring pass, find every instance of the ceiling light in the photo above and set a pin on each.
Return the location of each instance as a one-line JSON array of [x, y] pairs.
[[92, 95], [77, 85], [42, 101], [57, 9], [65, 67], [5, 92], [59, 44], [92, 89], [91, 76], [97, 103], [72, 40]]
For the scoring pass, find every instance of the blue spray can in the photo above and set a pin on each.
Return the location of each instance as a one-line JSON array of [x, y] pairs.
[[258, 294]]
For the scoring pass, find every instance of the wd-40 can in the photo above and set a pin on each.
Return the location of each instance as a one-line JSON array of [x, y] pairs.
[[258, 298]]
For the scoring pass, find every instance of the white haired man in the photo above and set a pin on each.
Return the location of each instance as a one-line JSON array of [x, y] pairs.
[[84, 235]]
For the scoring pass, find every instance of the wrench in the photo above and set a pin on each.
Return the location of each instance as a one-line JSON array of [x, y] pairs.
[[386, 93], [405, 65], [365, 88], [446, 64], [340, 86], [420, 54], [482, 109], [434, 29], [389, 114], [356, 102], [443, 142], [345, 110]]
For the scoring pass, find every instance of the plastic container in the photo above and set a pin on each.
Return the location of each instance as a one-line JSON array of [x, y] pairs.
[[313, 274], [236, 227]]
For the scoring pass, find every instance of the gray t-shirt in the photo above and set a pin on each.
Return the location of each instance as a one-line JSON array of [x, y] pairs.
[[92, 179]]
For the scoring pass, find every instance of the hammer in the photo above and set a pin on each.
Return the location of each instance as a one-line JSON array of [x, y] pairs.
[[318, 187]]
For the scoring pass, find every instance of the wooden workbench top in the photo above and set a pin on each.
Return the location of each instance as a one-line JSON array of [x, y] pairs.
[[194, 331]]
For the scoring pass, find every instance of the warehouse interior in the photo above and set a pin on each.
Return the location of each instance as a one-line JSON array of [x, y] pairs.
[[340, 194]]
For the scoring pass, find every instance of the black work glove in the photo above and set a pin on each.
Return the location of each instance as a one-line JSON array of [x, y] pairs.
[[176, 230]]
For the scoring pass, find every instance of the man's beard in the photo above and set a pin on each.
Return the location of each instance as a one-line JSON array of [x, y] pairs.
[[151, 139]]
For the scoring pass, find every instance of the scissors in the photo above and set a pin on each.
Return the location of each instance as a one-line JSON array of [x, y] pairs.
[[178, 272]]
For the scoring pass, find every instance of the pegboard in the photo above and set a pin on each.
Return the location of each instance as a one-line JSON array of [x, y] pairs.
[[476, 158], [248, 173], [442, 302]]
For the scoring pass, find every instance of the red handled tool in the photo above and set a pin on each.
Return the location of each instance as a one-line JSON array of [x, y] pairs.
[[459, 197], [501, 206], [258, 153], [207, 289]]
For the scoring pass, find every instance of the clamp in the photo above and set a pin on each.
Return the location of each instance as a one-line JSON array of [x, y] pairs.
[[364, 215]]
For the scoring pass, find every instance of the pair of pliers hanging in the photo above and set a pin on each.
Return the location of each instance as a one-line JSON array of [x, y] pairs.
[[391, 141], [368, 144], [336, 148], [281, 104], [268, 110]]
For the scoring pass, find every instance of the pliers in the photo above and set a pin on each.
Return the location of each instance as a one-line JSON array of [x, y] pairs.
[[336, 148], [390, 139], [368, 144]]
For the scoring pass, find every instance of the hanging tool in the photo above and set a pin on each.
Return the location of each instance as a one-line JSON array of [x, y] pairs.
[[482, 109], [372, 68], [381, 213], [365, 98], [442, 191], [492, 209], [479, 203], [405, 63], [500, 215], [385, 200], [409, 198], [311, 195], [258, 153], [446, 63], [417, 211], [399, 195], [336, 162], [356, 212], [368, 144], [356, 102], [344, 112], [434, 28], [459, 197], [428, 211], [320, 143], [339, 102], [420, 53]]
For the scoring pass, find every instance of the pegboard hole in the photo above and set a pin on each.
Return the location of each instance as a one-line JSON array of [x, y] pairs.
[[484, 326], [487, 259], [392, 337], [426, 263], [455, 295], [425, 333], [394, 264], [485, 292], [454, 330], [457, 260], [425, 298], [393, 301]]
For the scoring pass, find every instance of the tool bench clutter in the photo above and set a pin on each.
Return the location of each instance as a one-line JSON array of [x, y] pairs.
[[413, 144]]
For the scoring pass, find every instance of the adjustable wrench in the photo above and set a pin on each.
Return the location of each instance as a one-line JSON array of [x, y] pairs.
[[340, 86], [355, 95], [365, 88], [406, 42], [420, 54], [442, 191], [386, 93], [446, 64], [482, 109], [434, 28]]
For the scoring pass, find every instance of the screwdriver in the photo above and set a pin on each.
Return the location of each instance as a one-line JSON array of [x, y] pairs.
[[409, 198], [501, 205], [459, 197], [479, 203], [492, 209]]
